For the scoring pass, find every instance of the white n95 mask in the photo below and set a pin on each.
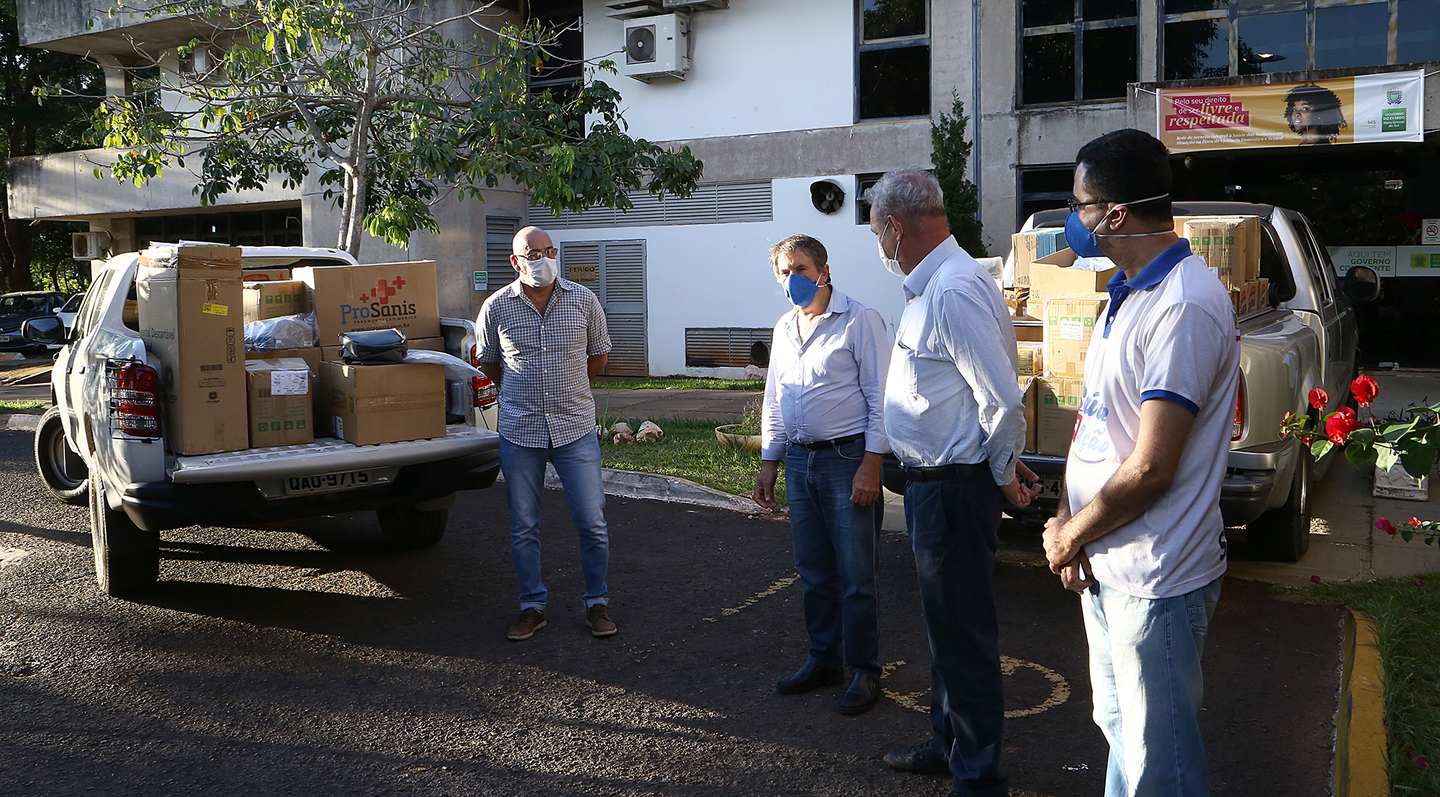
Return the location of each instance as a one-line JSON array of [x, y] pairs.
[[540, 272]]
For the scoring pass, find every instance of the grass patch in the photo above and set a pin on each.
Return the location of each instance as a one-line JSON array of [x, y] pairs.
[[679, 383], [689, 450], [1407, 616], [8, 407]]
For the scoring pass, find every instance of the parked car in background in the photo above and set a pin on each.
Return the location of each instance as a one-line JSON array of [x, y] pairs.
[[16, 308], [69, 310]]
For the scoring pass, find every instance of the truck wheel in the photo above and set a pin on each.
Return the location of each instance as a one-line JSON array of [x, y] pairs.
[[127, 558], [406, 527], [61, 469], [1283, 533]]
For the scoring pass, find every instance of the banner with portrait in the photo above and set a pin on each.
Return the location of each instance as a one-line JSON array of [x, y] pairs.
[[1351, 110]]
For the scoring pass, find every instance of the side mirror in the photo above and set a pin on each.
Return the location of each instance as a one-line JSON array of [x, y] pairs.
[[47, 330], [1362, 284]]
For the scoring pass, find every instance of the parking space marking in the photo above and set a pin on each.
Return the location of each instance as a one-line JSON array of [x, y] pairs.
[[920, 701], [757, 597]]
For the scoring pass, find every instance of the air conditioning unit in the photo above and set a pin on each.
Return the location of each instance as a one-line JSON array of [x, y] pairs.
[[657, 46], [89, 245]]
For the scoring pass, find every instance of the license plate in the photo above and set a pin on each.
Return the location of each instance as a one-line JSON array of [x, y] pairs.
[[1050, 487], [6, 338], [328, 482]]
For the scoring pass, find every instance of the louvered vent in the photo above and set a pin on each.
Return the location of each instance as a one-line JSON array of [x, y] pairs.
[[712, 203], [499, 239], [736, 347]]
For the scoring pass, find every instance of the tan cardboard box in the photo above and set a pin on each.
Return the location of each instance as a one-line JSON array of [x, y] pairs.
[[401, 296], [1032, 358], [1230, 246], [1070, 321], [369, 404], [1027, 397], [190, 318], [265, 274], [281, 404], [273, 299], [1032, 245], [1057, 404], [332, 353], [1028, 329], [1056, 276]]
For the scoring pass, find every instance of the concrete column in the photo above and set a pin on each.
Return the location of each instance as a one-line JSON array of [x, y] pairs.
[[998, 146]]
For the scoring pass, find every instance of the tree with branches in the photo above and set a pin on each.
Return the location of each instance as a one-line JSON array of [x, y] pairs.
[[395, 104]]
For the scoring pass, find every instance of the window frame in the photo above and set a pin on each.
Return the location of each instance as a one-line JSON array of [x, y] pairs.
[[895, 43], [1076, 27]]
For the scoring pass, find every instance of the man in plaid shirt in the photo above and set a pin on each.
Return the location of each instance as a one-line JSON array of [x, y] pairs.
[[542, 338]]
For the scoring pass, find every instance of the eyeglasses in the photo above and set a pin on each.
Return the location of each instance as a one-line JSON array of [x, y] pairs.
[[1076, 205], [536, 254]]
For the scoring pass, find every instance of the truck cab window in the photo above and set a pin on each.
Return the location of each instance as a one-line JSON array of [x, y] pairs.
[[1274, 266]]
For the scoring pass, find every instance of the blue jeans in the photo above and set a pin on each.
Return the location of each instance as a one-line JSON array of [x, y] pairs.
[[1145, 673], [834, 543], [954, 527], [578, 465]]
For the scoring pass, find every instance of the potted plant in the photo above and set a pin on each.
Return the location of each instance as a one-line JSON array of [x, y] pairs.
[[746, 433]]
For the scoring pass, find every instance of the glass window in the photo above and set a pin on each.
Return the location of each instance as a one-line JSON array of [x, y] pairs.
[[1354, 35], [1186, 6], [1107, 9], [1110, 62], [1197, 49], [1419, 31], [893, 59], [1035, 13], [1045, 188], [1272, 43], [863, 183], [1049, 68], [893, 19]]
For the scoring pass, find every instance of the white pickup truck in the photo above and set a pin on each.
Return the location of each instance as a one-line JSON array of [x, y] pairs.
[[1305, 338], [104, 441]]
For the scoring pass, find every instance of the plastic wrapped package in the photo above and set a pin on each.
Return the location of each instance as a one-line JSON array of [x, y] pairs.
[[283, 332]]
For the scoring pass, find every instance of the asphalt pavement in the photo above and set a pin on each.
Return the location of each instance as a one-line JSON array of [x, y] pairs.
[[315, 661]]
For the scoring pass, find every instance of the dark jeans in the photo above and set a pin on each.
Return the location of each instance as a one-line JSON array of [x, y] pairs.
[[953, 526], [834, 544]]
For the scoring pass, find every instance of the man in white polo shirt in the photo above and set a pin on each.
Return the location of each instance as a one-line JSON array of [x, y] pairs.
[[1139, 532]]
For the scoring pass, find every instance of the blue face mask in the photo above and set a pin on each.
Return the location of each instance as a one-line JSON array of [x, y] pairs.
[[1081, 239], [800, 290]]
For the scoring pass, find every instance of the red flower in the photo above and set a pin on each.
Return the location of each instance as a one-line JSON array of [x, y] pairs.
[[1315, 579], [1419, 583], [1319, 398], [1364, 390], [1386, 526], [1418, 759], [1415, 521], [1340, 424]]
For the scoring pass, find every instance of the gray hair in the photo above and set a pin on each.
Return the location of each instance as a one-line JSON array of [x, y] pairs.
[[909, 195]]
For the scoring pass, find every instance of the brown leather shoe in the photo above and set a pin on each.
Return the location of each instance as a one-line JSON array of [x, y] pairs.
[[531, 620], [598, 618]]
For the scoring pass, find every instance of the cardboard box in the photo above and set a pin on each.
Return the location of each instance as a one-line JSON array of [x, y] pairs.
[[265, 275], [1027, 397], [190, 318], [1057, 407], [1033, 245], [1070, 321], [401, 296], [369, 404], [280, 399], [273, 299], [1057, 275], [1230, 246], [1015, 299], [1028, 329], [1032, 358], [332, 353]]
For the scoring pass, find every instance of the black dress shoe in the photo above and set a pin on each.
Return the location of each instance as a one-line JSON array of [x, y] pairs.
[[809, 678], [923, 759], [863, 694]]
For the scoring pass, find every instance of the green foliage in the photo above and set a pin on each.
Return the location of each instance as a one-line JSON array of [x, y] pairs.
[[689, 450], [679, 383], [962, 198], [391, 107]]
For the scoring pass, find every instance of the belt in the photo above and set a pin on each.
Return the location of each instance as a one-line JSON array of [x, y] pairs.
[[824, 444], [942, 471]]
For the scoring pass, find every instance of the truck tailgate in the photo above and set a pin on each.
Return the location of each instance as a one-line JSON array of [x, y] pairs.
[[330, 455]]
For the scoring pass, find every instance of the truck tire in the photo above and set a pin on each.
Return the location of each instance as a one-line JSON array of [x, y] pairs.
[[1283, 533], [406, 527], [61, 469], [127, 558]]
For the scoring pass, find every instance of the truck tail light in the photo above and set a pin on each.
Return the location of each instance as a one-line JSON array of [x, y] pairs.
[[486, 393], [134, 398], [1238, 430]]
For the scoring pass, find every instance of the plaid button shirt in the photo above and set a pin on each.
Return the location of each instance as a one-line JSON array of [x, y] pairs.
[[545, 398]]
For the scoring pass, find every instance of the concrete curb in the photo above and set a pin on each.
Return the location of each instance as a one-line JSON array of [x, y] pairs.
[[1360, 742], [672, 489]]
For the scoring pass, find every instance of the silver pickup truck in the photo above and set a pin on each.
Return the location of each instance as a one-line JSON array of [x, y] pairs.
[[104, 441], [1305, 338]]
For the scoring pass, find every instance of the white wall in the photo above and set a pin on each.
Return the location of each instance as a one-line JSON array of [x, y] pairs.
[[718, 275], [754, 70]]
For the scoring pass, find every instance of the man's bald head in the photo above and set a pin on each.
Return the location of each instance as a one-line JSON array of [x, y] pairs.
[[532, 242]]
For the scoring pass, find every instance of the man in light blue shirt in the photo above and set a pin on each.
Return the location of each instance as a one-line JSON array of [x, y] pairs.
[[956, 423], [824, 395]]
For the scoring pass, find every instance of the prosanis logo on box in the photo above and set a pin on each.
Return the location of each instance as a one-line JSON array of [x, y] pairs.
[[376, 303]]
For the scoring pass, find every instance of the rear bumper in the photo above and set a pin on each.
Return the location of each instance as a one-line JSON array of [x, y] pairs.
[[157, 506]]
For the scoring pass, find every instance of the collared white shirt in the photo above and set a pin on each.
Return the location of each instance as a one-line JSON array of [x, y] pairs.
[[830, 385], [545, 398], [1170, 333], [951, 396]]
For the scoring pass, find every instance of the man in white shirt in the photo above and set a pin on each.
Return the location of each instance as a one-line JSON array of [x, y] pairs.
[[954, 416], [1139, 532], [823, 414]]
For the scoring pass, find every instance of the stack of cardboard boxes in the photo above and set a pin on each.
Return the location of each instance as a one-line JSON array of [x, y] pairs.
[[1230, 246], [193, 305]]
